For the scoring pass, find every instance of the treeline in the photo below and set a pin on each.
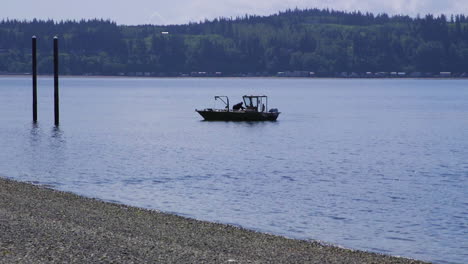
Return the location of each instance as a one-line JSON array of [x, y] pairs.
[[321, 41]]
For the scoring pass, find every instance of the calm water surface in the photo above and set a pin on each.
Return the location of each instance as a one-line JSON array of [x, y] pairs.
[[378, 165]]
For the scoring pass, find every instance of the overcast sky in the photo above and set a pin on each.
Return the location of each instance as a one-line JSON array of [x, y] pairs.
[[132, 12]]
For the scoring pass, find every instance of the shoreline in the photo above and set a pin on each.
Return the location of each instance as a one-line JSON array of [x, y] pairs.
[[39, 224], [226, 77]]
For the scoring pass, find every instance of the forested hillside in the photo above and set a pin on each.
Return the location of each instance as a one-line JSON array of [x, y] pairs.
[[322, 41]]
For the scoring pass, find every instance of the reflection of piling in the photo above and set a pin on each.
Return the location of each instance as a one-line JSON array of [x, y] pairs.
[[34, 79], [56, 82]]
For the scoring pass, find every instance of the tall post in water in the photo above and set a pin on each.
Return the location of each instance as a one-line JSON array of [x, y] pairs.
[[56, 82], [34, 79]]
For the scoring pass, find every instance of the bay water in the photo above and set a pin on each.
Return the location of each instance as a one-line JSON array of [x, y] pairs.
[[378, 165]]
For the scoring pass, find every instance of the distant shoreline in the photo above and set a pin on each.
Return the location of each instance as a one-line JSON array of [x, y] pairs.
[[39, 224], [230, 77]]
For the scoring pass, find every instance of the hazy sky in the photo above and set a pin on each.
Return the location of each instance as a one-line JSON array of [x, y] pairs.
[[133, 12]]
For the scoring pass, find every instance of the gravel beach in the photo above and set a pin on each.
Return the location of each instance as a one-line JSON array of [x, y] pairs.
[[41, 225]]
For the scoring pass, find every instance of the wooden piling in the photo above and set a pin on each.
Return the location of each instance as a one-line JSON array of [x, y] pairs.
[[34, 79], [56, 82]]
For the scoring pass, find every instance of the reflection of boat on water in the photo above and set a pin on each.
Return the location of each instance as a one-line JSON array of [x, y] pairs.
[[255, 110]]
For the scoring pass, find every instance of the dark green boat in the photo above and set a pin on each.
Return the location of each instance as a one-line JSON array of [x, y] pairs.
[[255, 110]]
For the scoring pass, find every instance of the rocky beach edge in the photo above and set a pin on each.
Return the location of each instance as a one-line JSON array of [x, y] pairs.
[[42, 225]]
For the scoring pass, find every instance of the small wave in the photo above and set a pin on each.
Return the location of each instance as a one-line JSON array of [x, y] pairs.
[[400, 239]]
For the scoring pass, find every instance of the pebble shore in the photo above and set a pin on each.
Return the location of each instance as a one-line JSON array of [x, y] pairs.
[[41, 225]]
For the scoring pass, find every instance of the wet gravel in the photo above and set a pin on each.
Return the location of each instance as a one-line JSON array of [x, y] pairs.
[[41, 225]]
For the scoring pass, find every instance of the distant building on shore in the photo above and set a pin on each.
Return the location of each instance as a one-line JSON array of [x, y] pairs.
[[445, 74], [295, 74]]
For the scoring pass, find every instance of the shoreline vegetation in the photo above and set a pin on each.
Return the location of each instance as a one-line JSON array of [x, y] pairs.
[[433, 77], [39, 224], [292, 43]]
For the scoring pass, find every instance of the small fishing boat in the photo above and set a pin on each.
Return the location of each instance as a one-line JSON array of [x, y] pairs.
[[253, 108]]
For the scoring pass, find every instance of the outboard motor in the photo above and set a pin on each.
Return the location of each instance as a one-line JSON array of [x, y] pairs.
[[273, 110]]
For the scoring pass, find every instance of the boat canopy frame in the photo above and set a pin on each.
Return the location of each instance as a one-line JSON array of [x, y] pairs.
[[257, 103], [254, 101]]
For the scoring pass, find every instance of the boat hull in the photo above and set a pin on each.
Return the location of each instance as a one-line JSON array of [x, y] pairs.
[[211, 115]]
